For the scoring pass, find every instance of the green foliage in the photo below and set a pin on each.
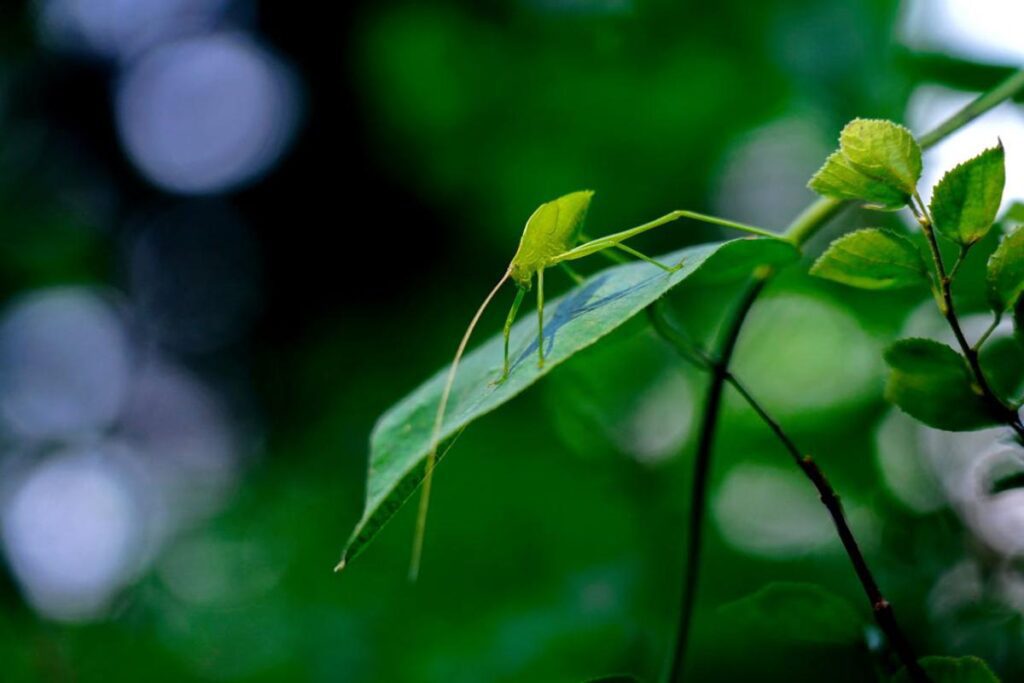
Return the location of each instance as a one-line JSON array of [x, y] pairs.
[[952, 670], [615, 678], [965, 202], [1006, 271], [872, 259], [799, 612], [402, 440], [932, 382]]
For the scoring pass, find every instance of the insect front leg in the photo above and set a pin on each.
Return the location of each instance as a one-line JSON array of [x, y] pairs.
[[520, 292]]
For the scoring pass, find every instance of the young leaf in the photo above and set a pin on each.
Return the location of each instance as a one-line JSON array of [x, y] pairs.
[[872, 259], [798, 611], [931, 382], [402, 437], [952, 670], [1006, 271], [884, 151], [965, 202], [838, 179]]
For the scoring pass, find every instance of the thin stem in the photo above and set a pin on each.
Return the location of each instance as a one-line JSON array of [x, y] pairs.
[[998, 318], [1011, 86], [701, 470], [880, 607], [803, 227], [958, 262]]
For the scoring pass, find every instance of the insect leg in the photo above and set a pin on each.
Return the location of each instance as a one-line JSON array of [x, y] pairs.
[[576, 277], [508, 328], [600, 243], [540, 317], [644, 257]]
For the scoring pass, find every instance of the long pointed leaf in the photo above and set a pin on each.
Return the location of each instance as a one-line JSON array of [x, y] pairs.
[[401, 439]]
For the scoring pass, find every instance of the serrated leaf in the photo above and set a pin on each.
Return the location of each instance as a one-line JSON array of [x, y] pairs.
[[797, 612], [872, 259], [402, 437], [1006, 271], [932, 382], [883, 150], [952, 670], [965, 202], [837, 178]]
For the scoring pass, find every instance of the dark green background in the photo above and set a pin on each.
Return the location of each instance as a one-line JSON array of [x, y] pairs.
[[552, 553]]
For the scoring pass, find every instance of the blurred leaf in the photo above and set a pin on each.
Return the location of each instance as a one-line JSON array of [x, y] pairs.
[[884, 151], [1003, 364], [798, 611], [838, 178], [872, 259], [1006, 271], [1007, 483], [965, 202], [931, 382], [1014, 214], [615, 678], [402, 437], [1018, 320], [952, 670]]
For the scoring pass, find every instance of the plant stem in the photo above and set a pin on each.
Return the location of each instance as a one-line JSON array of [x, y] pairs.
[[803, 227], [1010, 87], [702, 468], [998, 318], [999, 409]]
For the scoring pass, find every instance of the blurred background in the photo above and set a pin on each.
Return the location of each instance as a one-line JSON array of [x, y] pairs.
[[232, 233]]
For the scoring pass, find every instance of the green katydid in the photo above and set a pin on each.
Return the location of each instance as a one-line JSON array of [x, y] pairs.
[[552, 237]]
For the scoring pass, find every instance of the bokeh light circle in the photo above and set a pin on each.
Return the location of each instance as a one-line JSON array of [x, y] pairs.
[[206, 114]]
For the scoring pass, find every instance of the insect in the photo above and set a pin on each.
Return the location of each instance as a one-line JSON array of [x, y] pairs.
[[553, 236]]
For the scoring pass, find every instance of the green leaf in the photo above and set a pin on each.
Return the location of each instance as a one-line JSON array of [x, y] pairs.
[[965, 202], [402, 437], [614, 678], [952, 670], [884, 151], [872, 259], [932, 382], [1006, 271], [798, 612], [838, 179]]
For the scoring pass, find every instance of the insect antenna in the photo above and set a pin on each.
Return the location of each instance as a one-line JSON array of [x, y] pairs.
[[428, 473]]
